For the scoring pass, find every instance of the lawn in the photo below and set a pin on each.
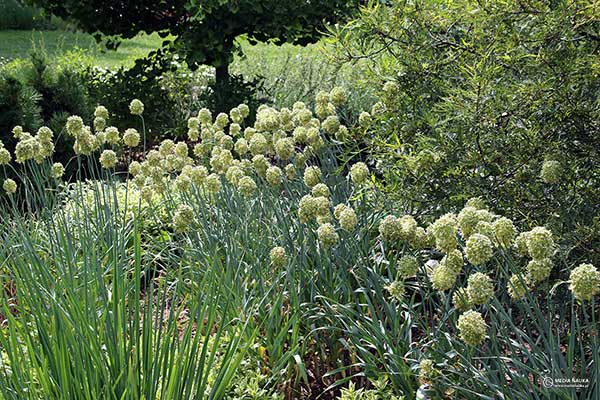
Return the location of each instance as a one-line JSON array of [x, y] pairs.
[[20, 44]]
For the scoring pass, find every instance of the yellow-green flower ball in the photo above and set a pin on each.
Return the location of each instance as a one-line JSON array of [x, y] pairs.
[[427, 371], [258, 144], [278, 256], [505, 231], [337, 211], [585, 282], [212, 183], [479, 249], [408, 266], [181, 149], [396, 289], [476, 202], [331, 124], [108, 159], [390, 228], [183, 183], [443, 278], [408, 226], [131, 137], [320, 189], [420, 240], [101, 112], [290, 171], [472, 328], [521, 244], [274, 176], [364, 119], [454, 260], [312, 176], [74, 126], [222, 120], [467, 220], [551, 171], [247, 186], [306, 209], [111, 135], [9, 186], [183, 218], [284, 148], [480, 288], [136, 107], [444, 231], [348, 219], [241, 146], [205, 116], [199, 174], [539, 270], [359, 173], [327, 235], [517, 287], [57, 171], [260, 164], [461, 300], [540, 243], [5, 156], [338, 95]]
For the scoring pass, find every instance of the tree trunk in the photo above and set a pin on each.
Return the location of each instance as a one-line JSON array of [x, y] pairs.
[[222, 75]]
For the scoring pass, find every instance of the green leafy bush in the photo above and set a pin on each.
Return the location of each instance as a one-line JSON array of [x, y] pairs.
[[494, 99]]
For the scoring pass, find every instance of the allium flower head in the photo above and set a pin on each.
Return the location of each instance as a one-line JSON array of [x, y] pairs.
[[331, 124], [505, 232], [136, 107], [364, 119], [486, 229], [551, 171], [454, 260], [108, 159], [101, 112], [284, 148], [258, 144], [359, 173], [181, 149], [444, 231], [74, 125], [337, 211], [320, 189], [327, 235], [408, 226], [205, 116], [517, 287], [5, 156], [461, 300], [212, 183], [312, 176], [540, 243], [247, 186], [244, 110], [348, 219], [261, 164], [472, 328], [183, 183], [338, 95], [274, 176], [408, 266], [476, 202], [199, 174], [539, 269], [111, 135], [427, 371], [278, 256], [9, 186], [443, 277], [183, 218], [521, 244], [57, 170], [17, 131], [290, 171], [480, 288], [479, 249], [131, 137], [241, 146], [585, 282], [467, 220], [420, 240], [396, 289], [390, 228]]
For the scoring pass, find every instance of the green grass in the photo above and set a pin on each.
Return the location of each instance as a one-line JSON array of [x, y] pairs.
[[19, 44]]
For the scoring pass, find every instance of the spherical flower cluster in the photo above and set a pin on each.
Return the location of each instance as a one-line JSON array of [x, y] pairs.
[[551, 171], [479, 249], [108, 159], [420, 240], [9, 186], [427, 371], [111, 135], [320, 189], [136, 107], [476, 202], [348, 219], [443, 277], [461, 300], [331, 124], [234, 174], [539, 269], [131, 137], [472, 328], [521, 243], [5, 156], [212, 183], [274, 176], [183, 218], [359, 173], [338, 95], [327, 235], [585, 282], [505, 232], [284, 148], [364, 119], [444, 231], [312, 176], [517, 287], [408, 266], [390, 228], [258, 144], [290, 171], [278, 256], [454, 260], [57, 170], [480, 288], [540, 243], [247, 186], [396, 289]]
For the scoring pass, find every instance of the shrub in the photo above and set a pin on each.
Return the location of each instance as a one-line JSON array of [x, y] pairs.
[[493, 99]]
